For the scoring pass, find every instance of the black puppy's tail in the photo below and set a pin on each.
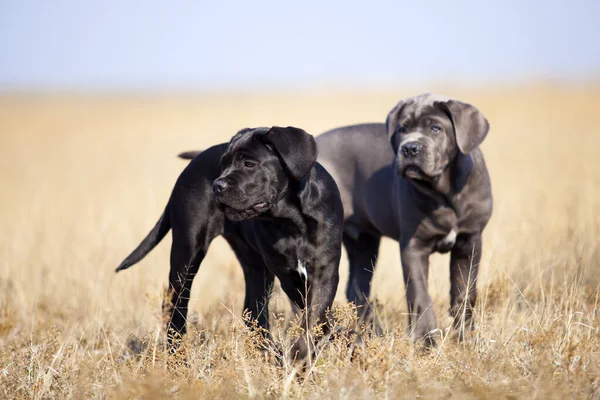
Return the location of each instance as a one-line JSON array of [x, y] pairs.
[[188, 155], [150, 241]]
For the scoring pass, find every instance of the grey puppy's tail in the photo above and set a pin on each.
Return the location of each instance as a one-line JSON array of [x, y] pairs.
[[150, 241], [188, 155]]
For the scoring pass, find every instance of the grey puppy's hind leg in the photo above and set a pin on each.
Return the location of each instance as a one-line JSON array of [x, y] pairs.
[[362, 257]]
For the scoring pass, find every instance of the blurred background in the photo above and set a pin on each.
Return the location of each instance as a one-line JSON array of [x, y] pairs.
[[97, 98], [198, 45]]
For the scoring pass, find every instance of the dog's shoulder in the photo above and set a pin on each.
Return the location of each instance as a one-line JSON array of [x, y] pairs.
[[327, 197], [321, 175], [346, 138]]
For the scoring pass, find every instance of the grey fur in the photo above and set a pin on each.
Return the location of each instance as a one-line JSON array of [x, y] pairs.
[[417, 200]]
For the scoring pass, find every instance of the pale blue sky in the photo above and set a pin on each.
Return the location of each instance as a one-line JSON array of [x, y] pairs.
[[78, 44]]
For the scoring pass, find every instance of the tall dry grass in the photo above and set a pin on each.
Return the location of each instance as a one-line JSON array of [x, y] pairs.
[[84, 178]]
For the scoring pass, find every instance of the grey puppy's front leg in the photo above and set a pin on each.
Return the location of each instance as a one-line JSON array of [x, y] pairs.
[[415, 267], [464, 268]]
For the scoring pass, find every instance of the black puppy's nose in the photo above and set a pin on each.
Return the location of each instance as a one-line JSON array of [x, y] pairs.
[[220, 185], [411, 149]]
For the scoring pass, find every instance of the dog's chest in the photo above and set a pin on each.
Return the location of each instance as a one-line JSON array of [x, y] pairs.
[[301, 269], [443, 229], [446, 243], [289, 255]]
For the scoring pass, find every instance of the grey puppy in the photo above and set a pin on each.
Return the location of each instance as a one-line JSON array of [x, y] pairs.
[[420, 179], [279, 210]]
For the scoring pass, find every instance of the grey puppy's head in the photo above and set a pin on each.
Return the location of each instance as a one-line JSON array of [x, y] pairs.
[[428, 131], [257, 169]]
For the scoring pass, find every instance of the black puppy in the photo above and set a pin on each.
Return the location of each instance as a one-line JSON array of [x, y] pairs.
[[279, 210]]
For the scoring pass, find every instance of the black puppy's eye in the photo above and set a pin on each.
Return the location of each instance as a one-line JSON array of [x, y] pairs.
[[436, 129], [249, 164]]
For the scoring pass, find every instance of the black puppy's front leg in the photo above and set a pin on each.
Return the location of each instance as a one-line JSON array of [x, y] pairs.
[[415, 268], [311, 300], [464, 268], [322, 294], [259, 286], [259, 282]]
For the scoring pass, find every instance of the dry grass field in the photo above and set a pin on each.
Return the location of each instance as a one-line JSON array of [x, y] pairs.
[[84, 178]]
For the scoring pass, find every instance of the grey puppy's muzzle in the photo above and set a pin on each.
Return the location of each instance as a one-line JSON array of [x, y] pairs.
[[413, 160], [411, 149], [416, 157]]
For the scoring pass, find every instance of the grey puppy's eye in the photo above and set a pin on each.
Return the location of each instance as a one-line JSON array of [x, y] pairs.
[[401, 129], [436, 129]]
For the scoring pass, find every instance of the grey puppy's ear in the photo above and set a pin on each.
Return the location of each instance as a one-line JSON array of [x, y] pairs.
[[392, 120], [296, 148], [470, 126]]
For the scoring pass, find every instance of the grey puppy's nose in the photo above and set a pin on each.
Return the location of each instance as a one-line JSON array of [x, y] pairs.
[[220, 185], [411, 149]]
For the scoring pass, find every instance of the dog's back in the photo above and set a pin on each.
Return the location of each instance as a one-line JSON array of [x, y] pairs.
[[360, 159]]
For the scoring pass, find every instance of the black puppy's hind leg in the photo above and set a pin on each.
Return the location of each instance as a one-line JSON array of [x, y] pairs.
[[362, 257], [259, 286], [185, 262]]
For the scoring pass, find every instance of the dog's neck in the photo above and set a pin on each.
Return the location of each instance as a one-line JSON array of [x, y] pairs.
[[288, 208], [454, 178]]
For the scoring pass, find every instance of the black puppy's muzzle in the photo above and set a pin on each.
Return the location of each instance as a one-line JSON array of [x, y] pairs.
[[220, 185], [411, 149], [224, 193]]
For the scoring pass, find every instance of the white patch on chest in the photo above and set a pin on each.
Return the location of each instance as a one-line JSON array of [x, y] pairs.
[[302, 270], [449, 240]]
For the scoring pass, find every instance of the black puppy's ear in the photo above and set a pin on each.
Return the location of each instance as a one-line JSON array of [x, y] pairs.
[[297, 149], [470, 126], [391, 122]]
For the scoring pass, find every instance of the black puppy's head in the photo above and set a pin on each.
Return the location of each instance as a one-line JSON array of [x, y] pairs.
[[258, 166], [428, 131]]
